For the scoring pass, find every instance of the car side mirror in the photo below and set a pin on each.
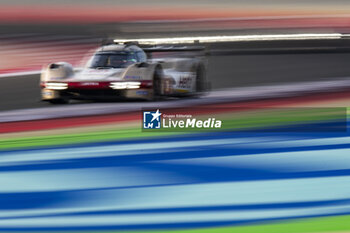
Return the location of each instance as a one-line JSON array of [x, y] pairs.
[[142, 65]]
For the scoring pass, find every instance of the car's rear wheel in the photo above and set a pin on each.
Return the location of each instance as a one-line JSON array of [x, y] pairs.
[[157, 83], [200, 79]]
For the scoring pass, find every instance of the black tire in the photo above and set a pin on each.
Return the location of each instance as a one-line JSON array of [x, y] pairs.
[[201, 85], [157, 83], [58, 101]]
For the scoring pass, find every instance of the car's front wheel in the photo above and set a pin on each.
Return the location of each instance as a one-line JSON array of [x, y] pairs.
[[59, 101]]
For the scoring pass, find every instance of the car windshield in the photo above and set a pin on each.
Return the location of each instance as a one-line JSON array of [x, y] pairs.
[[112, 60]]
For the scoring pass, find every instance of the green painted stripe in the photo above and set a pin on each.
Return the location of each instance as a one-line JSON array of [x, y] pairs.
[[64, 139], [231, 121], [314, 225], [327, 224]]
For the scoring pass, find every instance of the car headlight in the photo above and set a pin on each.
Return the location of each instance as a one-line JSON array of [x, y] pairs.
[[56, 86], [125, 85]]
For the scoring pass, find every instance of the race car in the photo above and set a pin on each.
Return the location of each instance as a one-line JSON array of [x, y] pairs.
[[125, 70]]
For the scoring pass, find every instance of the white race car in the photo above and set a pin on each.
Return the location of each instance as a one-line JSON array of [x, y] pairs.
[[127, 71]]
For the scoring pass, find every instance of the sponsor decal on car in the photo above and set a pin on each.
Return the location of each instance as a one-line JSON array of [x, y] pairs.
[[141, 92], [89, 84], [130, 77], [185, 82]]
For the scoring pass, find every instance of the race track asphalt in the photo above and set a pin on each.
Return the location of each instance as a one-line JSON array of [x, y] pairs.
[[224, 71]]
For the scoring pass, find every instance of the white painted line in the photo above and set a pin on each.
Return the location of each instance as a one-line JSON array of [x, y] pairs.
[[25, 73], [22, 73]]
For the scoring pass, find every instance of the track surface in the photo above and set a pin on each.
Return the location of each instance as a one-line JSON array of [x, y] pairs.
[[223, 71]]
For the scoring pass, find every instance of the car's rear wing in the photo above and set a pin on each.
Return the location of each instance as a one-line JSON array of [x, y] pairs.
[[162, 47], [160, 41], [155, 47], [174, 51]]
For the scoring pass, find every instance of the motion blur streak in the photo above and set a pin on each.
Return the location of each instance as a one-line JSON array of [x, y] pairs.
[[168, 182], [102, 187], [28, 52], [212, 39], [88, 167]]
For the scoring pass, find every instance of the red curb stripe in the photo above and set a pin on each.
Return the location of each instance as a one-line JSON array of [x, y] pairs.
[[13, 127]]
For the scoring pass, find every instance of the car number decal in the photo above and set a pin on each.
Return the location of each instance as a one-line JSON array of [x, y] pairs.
[[185, 82]]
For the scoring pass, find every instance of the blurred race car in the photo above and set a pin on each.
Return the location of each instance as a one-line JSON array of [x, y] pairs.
[[125, 70]]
